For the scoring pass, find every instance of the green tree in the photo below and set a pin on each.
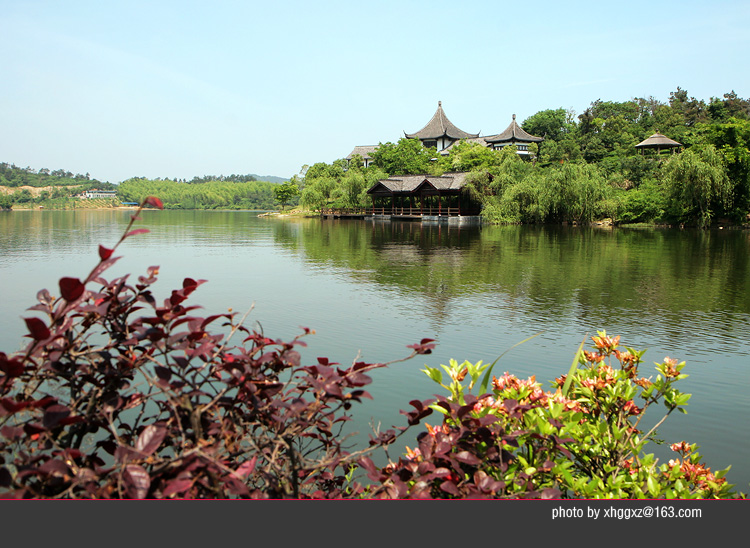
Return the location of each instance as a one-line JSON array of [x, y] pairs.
[[469, 156], [550, 124], [697, 185], [731, 106], [691, 110], [407, 157], [285, 192]]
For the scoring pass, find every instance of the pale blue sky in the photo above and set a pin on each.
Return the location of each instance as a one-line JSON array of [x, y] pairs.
[[178, 89]]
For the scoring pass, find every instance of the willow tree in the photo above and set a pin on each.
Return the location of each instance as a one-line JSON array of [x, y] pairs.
[[697, 185]]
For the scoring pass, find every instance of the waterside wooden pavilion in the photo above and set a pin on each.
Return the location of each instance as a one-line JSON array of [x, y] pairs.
[[416, 197], [424, 195]]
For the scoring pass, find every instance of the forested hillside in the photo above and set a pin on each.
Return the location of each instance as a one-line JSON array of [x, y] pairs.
[[209, 194], [26, 187]]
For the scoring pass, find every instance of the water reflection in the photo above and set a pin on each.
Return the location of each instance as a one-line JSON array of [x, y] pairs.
[[692, 287]]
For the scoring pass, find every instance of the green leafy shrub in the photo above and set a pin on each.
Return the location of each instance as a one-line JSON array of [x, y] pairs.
[[582, 439]]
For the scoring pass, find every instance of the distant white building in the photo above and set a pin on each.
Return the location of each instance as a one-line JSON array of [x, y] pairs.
[[105, 194], [363, 152]]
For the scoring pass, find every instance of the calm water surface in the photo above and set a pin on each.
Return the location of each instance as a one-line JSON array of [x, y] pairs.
[[373, 288]]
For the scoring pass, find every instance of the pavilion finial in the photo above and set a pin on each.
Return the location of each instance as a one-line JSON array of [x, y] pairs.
[[514, 116], [440, 103]]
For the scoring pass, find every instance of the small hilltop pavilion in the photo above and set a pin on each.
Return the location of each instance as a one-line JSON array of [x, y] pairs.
[[658, 142], [513, 135], [440, 132], [364, 152]]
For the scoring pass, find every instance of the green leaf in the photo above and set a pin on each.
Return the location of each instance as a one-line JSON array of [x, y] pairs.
[[436, 407], [572, 370], [434, 373], [488, 375]]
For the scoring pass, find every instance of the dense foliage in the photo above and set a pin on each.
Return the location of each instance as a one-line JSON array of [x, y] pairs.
[[14, 176], [204, 195], [118, 395], [55, 189], [60, 190], [587, 168]]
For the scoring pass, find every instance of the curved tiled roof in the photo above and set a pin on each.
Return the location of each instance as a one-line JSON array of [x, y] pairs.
[[410, 183], [513, 132], [440, 126]]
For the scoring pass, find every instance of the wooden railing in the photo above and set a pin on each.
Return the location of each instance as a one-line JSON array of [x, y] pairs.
[[391, 211]]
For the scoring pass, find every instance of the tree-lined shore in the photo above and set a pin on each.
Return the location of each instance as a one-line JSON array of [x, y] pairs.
[[28, 188], [586, 169]]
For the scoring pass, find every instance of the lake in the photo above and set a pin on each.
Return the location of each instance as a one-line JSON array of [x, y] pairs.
[[372, 288]]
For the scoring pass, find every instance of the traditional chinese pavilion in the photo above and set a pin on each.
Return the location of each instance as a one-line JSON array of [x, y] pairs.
[[423, 195], [658, 142], [513, 135], [440, 132]]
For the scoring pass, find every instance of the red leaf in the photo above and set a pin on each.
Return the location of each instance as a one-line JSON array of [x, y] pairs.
[[37, 328], [425, 346], [236, 487], [153, 201], [150, 439], [246, 467], [467, 458], [54, 414], [177, 486], [105, 253], [11, 367], [450, 487], [11, 432], [137, 481], [12, 406], [137, 231], [71, 289]]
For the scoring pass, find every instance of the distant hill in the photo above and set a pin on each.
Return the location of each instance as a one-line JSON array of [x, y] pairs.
[[235, 178], [269, 178]]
